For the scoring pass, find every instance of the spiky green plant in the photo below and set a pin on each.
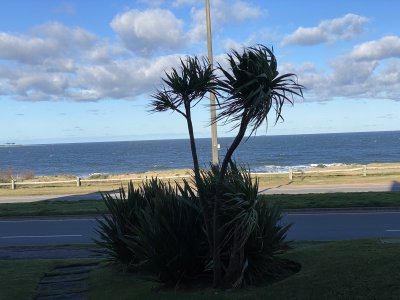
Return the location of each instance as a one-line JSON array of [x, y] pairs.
[[253, 86], [117, 224], [171, 236], [247, 91], [157, 227], [182, 89], [250, 228], [264, 245]]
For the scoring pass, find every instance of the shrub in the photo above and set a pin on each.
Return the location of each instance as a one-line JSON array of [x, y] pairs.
[[117, 225], [159, 228], [156, 228], [8, 174], [252, 236]]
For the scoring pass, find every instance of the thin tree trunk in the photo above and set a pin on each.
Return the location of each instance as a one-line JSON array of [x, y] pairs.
[[218, 196], [217, 265], [203, 204], [236, 142]]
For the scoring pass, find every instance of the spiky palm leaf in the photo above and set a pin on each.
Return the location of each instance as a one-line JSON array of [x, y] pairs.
[[253, 86], [184, 86]]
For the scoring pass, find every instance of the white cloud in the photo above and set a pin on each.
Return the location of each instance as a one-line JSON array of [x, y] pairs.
[[386, 47], [49, 40], [120, 79], [25, 49], [351, 78], [223, 12], [327, 31], [46, 83], [230, 44], [55, 62], [144, 32]]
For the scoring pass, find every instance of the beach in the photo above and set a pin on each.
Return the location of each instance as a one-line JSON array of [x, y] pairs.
[[383, 175]]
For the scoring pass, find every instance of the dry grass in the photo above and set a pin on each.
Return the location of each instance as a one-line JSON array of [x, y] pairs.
[[385, 174]]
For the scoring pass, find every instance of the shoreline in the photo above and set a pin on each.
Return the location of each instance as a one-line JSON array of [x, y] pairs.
[[187, 171], [387, 174]]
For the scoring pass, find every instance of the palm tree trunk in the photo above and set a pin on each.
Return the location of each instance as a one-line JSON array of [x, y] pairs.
[[203, 204], [192, 142], [236, 142], [217, 270]]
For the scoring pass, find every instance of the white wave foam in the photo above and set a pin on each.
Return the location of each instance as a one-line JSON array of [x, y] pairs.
[[285, 169]]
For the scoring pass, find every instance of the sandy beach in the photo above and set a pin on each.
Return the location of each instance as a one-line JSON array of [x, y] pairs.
[[379, 177]]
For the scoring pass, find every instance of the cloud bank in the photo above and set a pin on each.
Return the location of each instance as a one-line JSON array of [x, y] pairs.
[[55, 62], [328, 31]]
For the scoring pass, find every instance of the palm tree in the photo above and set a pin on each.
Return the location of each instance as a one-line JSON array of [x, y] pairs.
[[181, 91], [252, 87], [184, 89]]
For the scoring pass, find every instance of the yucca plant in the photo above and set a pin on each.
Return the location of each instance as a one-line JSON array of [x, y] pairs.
[[156, 228], [117, 224], [265, 245], [171, 236]]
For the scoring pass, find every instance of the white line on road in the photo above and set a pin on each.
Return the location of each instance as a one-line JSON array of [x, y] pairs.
[[45, 220], [40, 236]]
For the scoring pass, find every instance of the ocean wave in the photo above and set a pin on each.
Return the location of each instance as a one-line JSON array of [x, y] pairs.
[[285, 169]]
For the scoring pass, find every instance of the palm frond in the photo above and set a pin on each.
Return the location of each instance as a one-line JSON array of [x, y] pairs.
[[253, 87], [185, 85]]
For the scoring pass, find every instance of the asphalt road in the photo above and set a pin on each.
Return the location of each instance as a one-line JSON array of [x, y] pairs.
[[306, 226]]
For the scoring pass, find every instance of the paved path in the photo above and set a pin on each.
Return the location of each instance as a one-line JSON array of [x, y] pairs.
[[281, 189], [66, 283], [69, 197]]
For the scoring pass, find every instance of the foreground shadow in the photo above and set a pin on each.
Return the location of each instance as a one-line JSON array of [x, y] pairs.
[[395, 186], [80, 197]]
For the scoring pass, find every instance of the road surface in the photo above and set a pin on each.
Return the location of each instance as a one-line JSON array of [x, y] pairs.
[[306, 226]]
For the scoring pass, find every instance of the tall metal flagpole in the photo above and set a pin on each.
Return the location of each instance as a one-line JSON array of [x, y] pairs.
[[214, 140]]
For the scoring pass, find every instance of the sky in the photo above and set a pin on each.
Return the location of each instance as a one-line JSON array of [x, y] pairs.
[[84, 71]]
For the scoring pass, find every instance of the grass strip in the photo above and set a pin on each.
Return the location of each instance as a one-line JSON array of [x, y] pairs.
[[52, 208], [306, 201], [364, 269], [336, 200]]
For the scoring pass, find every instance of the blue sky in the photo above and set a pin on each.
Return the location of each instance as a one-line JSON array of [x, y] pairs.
[[75, 71]]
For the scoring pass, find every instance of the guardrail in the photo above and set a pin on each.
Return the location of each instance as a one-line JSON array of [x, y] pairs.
[[292, 173]]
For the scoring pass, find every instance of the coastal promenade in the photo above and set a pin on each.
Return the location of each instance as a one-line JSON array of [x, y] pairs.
[[279, 189]]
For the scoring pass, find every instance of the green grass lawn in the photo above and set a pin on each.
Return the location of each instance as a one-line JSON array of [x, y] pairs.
[[337, 200], [330, 200], [19, 278], [364, 269]]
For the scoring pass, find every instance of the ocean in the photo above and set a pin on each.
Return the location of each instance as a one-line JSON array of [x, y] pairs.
[[261, 154]]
